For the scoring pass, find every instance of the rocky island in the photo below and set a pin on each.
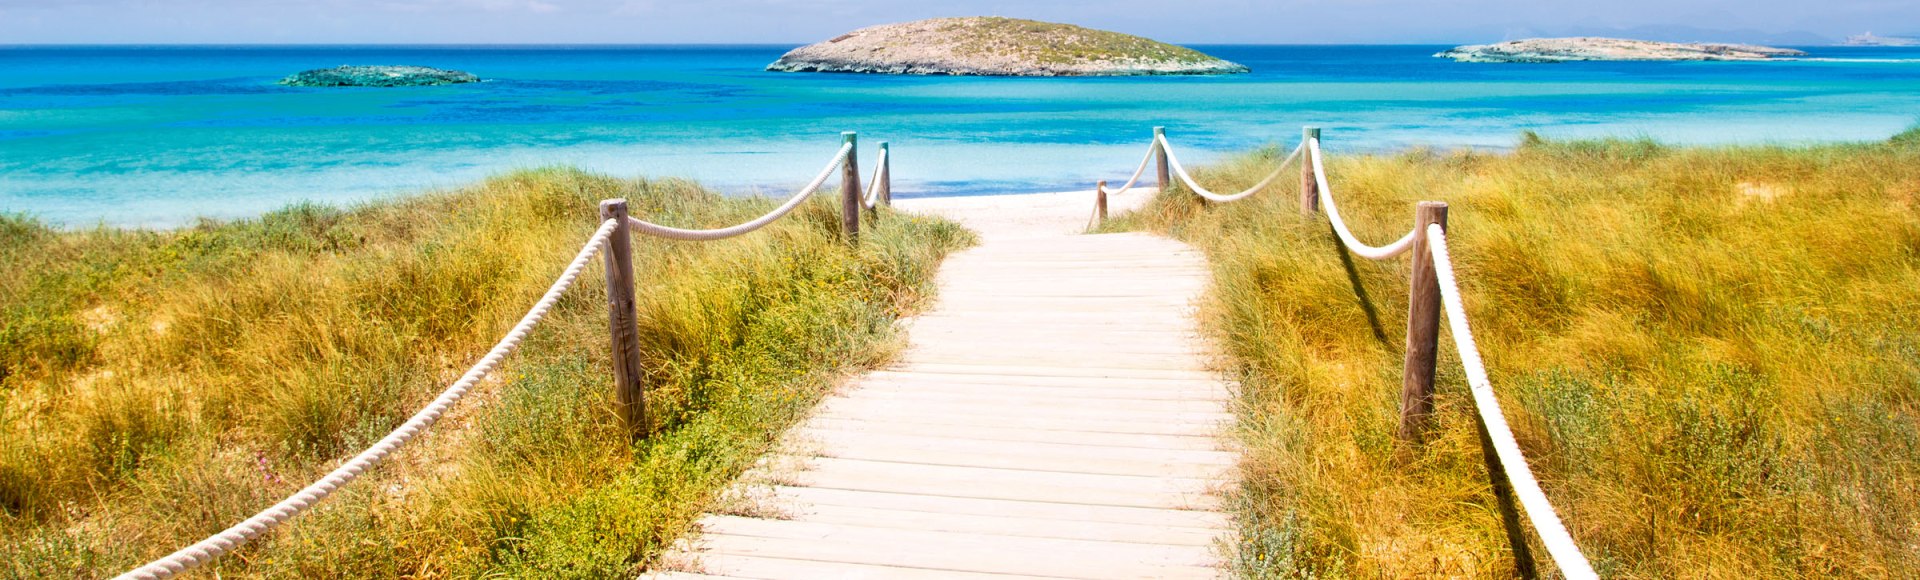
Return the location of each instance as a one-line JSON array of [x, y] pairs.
[[993, 46], [378, 76], [1871, 39], [1581, 49]]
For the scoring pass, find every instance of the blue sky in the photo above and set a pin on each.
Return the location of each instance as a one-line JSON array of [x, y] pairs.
[[801, 21]]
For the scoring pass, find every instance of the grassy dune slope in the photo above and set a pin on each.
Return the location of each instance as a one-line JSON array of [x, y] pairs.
[[159, 386], [1711, 355]]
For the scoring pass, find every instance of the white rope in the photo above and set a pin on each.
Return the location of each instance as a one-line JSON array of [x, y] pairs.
[[1353, 244], [673, 233], [1202, 192], [1137, 172], [873, 185], [206, 550], [1553, 534]]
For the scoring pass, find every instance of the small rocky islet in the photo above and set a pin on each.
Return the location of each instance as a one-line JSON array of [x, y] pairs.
[[994, 46], [378, 76], [1548, 50]]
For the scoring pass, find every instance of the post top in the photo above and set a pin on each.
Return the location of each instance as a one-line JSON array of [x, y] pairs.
[[1310, 130], [1102, 184], [1433, 204], [612, 208], [1159, 129], [848, 135]]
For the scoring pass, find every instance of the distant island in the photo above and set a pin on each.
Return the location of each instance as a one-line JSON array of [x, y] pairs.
[[993, 46], [1869, 39], [1534, 50], [378, 76]]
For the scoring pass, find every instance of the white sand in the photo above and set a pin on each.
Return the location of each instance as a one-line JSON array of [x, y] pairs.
[[1031, 215]]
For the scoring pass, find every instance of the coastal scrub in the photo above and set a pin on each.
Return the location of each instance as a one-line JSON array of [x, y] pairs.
[[1711, 356], [158, 386]]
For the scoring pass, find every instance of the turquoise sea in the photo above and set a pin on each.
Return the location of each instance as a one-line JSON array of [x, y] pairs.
[[159, 135]]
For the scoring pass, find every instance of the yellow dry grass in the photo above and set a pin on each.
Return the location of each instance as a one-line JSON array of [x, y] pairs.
[[1710, 354], [156, 386]]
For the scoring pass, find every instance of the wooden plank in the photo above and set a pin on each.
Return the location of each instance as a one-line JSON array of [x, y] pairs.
[[1017, 434], [988, 483], [771, 568], [1033, 510], [952, 551], [1091, 346], [1011, 398], [851, 439], [913, 375], [1023, 421], [1002, 357], [1011, 526], [1025, 456], [1218, 395], [1046, 371], [854, 405]]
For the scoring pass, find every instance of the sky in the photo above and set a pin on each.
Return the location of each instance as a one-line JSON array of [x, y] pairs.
[[804, 21]]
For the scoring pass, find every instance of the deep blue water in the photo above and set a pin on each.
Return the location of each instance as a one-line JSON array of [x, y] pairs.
[[159, 135]]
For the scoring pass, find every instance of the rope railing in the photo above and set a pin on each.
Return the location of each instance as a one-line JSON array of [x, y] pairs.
[[1180, 170], [206, 550], [879, 191], [1170, 168], [1434, 288], [1151, 151], [612, 240], [673, 233], [1546, 522], [1340, 228]]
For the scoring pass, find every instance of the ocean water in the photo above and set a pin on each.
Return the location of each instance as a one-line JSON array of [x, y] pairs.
[[156, 136]]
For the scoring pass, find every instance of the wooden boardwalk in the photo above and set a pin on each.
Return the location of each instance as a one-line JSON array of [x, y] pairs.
[[1054, 416]]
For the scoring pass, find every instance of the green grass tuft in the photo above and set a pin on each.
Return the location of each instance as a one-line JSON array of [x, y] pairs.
[[1053, 43]]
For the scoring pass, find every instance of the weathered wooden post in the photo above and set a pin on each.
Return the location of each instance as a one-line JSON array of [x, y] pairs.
[[1160, 156], [886, 175], [1309, 187], [630, 397], [850, 199], [1423, 326], [1099, 204]]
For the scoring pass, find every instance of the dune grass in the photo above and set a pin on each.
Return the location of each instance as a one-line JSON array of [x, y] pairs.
[[1710, 355], [156, 386]]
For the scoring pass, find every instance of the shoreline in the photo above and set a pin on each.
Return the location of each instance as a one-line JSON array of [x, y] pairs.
[[904, 189], [196, 132]]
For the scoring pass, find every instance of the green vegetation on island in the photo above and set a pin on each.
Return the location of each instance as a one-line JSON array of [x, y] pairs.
[[378, 76], [159, 386], [1711, 356], [995, 46]]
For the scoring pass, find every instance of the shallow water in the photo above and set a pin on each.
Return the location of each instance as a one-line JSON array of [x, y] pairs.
[[159, 135]]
